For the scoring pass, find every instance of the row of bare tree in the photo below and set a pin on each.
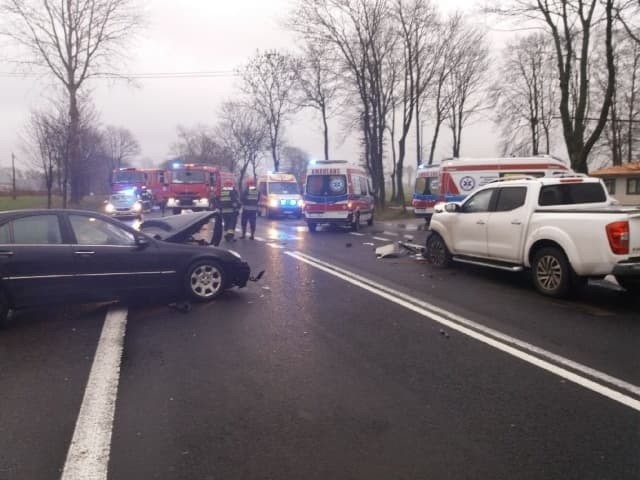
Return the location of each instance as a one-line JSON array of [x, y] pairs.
[[47, 143]]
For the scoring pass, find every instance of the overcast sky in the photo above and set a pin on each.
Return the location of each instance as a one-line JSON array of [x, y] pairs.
[[199, 36]]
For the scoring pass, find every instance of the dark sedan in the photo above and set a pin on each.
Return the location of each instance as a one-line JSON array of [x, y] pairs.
[[69, 256]]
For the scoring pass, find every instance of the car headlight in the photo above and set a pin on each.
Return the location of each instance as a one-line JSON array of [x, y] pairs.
[[301, 203], [235, 254], [137, 207], [273, 202], [109, 208], [204, 202]]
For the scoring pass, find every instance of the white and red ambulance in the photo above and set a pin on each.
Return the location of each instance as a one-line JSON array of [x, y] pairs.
[[338, 193], [454, 179]]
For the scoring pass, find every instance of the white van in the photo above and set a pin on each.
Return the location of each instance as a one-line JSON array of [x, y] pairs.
[[455, 178], [279, 195]]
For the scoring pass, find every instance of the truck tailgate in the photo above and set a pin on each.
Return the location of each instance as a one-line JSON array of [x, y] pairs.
[[634, 235]]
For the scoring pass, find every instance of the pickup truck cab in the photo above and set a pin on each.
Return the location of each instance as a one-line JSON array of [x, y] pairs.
[[565, 230]]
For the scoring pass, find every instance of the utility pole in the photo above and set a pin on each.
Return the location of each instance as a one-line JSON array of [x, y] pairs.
[[13, 175]]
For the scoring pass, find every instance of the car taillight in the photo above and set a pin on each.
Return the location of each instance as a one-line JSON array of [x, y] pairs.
[[618, 235]]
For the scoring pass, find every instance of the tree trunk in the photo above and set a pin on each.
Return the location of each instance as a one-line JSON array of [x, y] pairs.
[[74, 147], [325, 127]]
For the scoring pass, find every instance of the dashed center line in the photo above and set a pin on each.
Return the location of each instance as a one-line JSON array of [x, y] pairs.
[[382, 239], [394, 234], [357, 234]]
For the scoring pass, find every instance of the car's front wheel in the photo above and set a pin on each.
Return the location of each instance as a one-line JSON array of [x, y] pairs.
[[205, 280], [551, 272], [436, 251]]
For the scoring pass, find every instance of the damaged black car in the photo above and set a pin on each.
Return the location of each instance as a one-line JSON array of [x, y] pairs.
[[66, 256]]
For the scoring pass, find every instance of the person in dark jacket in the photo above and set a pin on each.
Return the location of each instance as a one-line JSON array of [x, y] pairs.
[[229, 208], [249, 199]]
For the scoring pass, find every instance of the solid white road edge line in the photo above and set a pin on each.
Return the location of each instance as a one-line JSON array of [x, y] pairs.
[[88, 455], [416, 306], [382, 239], [357, 234], [260, 239]]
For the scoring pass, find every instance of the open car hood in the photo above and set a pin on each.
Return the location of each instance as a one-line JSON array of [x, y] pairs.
[[176, 228]]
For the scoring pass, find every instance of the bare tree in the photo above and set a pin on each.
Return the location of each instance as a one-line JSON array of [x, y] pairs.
[[571, 25], [525, 95], [466, 81], [416, 23], [244, 134], [120, 146], [295, 161], [200, 145], [362, 31], [74, 41], [269, 81], [40, 144], [319, 85]]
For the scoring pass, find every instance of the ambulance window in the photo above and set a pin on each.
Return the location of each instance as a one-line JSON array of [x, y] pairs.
[[369, 185], [434, 185], [337, 184], [421, 186], [355, 183], [363, 186], [315, 184]]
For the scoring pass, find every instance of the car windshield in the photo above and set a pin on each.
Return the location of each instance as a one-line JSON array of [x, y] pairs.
[[327, 185], [127, 176], [283, 188], [188, 176]]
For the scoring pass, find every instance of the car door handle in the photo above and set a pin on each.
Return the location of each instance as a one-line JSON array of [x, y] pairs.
[[480, 222], [6, 253], [516, 222], [85, 252]]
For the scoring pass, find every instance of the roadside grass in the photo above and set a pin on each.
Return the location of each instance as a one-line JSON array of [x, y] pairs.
[[40, 201], [393, 213]]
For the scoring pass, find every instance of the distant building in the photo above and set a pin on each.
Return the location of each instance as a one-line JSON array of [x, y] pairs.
[[623, 182]]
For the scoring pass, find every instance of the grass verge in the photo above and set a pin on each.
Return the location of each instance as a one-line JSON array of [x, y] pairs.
[[40, 201]]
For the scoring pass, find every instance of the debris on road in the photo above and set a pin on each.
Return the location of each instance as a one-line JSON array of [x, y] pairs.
[[182, 307], [388, 251], [348, 245], [257, 277]]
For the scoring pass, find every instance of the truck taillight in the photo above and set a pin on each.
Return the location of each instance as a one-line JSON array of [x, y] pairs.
[[618, 235]]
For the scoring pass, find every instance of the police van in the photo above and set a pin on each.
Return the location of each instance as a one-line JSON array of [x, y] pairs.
[[337, 193], [454, 179], [279, 195]]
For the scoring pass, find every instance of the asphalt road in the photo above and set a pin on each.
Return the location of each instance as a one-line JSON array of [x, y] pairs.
[[335, 365]]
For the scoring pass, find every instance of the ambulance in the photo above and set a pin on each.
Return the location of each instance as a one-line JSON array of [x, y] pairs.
[[337, 193], [455, 178], [279, 195]]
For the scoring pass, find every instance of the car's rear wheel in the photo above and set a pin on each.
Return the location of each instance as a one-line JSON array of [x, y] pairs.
[[436, 251], [312, 226], [631, 285], [4, 309], [205, 280], [551, 272]]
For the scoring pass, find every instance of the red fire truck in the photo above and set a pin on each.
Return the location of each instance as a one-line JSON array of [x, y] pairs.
[[194, 187], [129, 178]]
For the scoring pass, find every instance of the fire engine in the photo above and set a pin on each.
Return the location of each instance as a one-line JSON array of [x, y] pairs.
[[128, 178], [194, 187]]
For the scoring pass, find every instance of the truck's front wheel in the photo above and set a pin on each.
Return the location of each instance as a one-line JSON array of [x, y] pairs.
[[551, 272]]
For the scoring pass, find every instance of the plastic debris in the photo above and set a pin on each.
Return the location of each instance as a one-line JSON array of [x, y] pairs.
[[182, 307], [388, 251]]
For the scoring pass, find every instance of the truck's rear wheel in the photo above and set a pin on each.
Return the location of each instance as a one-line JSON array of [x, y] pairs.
[[631, 285], [551, 272]]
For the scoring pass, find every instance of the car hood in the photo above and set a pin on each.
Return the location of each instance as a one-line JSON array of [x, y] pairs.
[[176, 228]]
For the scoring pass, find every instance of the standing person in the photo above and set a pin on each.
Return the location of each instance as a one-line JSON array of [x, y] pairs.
[[229, 207], [249, 199]]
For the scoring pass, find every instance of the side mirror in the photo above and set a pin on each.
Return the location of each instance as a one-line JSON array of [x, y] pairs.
[[452, 207], [142, 241]]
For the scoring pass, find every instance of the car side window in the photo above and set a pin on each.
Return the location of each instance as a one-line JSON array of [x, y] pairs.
[[363, 186], [95, 231], [479, 202], [511, 198], [37, 230], [5, 235]]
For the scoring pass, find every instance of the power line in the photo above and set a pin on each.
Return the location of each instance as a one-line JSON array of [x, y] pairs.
[[142, 75]]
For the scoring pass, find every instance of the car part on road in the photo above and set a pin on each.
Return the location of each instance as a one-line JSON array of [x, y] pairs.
[[257, 277], [182, 307], [436, 251], [551, 272]]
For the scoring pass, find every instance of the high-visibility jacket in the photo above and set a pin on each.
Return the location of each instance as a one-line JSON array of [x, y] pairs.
[[229, 202], [250, 200]]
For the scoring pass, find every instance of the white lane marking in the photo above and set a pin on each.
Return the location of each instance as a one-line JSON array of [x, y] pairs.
[[484, 334], [88, 455], [275, 245], [382, 239], [391, 233], [357, 234], [260, 239]]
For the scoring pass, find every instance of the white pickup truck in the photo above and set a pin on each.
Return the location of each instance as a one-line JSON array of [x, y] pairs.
[[565, 230]]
